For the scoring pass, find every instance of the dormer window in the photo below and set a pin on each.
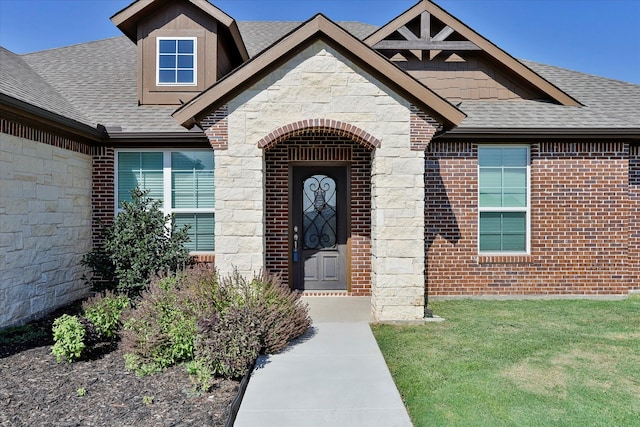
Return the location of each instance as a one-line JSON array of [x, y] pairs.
[[176, 61]]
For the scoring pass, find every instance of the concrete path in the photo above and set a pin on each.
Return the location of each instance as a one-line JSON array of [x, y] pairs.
[[333, 376]]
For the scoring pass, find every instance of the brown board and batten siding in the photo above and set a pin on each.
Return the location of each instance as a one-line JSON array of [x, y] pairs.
[[469, 76], [177, 19]]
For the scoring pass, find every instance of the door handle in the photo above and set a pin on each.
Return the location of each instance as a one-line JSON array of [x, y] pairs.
[[295, 243]]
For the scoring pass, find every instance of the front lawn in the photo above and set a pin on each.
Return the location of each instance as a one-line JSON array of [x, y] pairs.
[[520, 363]]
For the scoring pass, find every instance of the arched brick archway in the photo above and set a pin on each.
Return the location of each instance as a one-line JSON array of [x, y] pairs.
[[334, 127], [319, 142]]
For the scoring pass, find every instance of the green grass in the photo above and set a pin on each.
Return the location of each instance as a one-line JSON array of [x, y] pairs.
[[519, 363]]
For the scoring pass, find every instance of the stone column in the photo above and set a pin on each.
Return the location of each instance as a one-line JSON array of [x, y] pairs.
[[239, 209], [398, 232]]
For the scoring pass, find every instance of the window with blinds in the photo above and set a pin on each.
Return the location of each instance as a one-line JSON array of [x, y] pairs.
[[503, 173], [182, 180]]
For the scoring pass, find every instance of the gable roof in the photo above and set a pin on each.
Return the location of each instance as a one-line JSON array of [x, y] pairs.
[[425, 9], [259, 35], [127, 19], [319, 28]]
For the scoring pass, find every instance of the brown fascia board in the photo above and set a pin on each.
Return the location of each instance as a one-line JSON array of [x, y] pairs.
[[536, 134], [158, 139], [24, 112], [127, 18], [487, 46], [318, 28]]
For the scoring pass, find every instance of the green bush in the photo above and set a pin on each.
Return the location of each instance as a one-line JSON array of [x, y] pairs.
[[260, 316], [104, 312], [161, 330], [140, 243], [282, 313], [68, 334], [218, 326]]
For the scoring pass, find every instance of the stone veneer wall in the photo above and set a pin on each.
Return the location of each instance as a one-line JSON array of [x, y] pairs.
[[580, 218], [320, 83], [45, 221]]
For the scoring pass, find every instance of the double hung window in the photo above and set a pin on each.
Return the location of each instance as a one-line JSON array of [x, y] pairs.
[[182, 180], [504, 213], [176, 61]]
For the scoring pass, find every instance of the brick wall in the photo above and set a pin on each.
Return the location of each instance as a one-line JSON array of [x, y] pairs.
[[103, 196], [634, 218], [579, 223], [277, 203]]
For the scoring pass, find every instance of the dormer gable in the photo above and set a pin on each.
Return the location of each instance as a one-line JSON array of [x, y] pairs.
[[456, 62], [184, 46]]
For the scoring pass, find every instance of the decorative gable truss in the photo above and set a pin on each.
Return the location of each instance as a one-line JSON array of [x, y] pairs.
[[426, 31]]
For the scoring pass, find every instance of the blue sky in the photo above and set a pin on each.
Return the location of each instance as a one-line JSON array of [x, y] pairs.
[[599, 37]]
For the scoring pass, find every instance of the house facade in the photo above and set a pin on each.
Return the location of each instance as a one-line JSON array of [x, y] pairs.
[[412, 161]]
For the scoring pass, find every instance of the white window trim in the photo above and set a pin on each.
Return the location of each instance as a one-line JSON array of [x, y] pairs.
[[526, 209], [195, 61], [166, 185]]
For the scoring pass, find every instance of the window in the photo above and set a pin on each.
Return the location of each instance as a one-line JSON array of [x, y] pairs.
[[183, 180], [176, 61], [503, 199]]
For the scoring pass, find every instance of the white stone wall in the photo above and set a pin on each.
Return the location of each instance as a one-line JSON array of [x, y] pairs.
[[45, 227], [320, 83]]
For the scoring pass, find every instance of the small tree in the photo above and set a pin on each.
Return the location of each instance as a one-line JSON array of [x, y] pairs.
[[141, 243]]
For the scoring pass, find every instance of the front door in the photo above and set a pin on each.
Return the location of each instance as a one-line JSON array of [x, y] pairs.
[[319, 227]]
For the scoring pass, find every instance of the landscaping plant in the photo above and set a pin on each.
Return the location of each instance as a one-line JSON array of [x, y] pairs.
[[68, 334], [218, 327], [140, 243], [160, 331], [104, 312]]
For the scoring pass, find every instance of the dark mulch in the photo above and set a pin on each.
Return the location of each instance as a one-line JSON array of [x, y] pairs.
[[35, 390]]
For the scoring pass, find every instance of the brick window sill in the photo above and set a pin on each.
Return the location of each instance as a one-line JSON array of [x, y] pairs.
[[506, 259]]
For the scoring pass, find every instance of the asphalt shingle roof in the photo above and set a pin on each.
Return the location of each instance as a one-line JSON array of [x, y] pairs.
[[96, 83], [19, 81]]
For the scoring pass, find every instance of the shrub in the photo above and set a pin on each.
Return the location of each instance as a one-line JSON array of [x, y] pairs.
[[259, 316], [68, 334], [104, 312], [228, 343], [140, 243], [219, 326], [160, 331], [282, 313]]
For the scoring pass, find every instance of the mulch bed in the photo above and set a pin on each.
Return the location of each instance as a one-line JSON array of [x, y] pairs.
[[35, 390]]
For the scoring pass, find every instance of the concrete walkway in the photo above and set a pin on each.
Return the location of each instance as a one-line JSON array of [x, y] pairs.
[[333, 376]]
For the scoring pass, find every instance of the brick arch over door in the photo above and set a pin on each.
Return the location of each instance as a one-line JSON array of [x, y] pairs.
[[318, 144], [334, 127]]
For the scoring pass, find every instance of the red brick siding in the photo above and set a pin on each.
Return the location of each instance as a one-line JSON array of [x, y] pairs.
[[579, 223], [634, 218], [277, 204], [215, 126], [423, 127], [103, 197]]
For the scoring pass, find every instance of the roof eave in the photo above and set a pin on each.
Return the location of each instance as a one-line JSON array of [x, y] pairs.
[[38, 117], [523, 134], [138, 139]]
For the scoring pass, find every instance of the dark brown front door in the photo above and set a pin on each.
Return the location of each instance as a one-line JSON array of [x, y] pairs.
[[319, 206]]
